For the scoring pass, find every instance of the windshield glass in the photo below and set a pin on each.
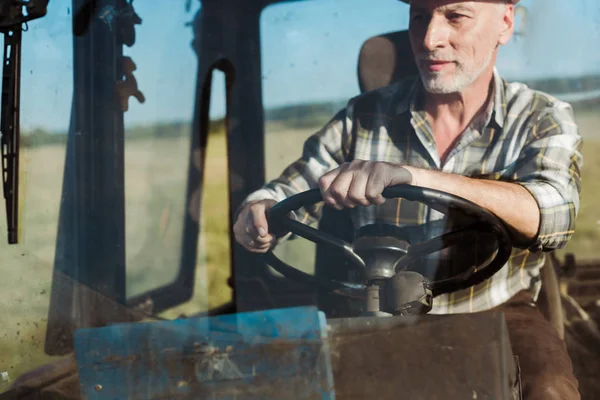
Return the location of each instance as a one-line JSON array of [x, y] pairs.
[[138, 152], [139, 179]]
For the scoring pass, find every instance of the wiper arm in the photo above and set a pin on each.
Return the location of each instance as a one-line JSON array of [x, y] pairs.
[[13, 14], [10, 129]]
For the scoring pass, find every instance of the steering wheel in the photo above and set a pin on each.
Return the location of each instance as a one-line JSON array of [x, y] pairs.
[[485, 222]]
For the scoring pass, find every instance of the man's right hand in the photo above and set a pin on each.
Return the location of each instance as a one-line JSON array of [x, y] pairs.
[[251, 228]]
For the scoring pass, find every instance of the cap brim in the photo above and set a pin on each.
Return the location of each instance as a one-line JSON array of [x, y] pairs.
[[510, 1]]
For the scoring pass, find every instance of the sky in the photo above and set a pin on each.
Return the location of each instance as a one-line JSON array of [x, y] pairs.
[[309, 48]]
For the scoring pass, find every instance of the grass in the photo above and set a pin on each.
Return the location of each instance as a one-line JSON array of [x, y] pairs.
[[155, 180], [155, 176]]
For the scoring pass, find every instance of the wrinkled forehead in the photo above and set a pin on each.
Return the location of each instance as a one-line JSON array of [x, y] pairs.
[[413, 2], [444, 6]]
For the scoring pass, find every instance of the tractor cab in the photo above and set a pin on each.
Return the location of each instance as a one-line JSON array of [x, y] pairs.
[[133, 131]]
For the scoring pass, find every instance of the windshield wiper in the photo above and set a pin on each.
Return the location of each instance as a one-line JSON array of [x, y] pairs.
[[9, 126], [13, 14]]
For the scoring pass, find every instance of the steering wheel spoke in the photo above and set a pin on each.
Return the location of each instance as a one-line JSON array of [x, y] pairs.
[[462, 235], [314, 235], [346, 289], [486, 222]]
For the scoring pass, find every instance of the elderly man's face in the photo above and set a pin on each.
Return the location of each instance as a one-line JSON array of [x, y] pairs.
[[454, 41]]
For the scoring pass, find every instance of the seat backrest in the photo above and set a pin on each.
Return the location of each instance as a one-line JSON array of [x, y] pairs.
[[385, 59]]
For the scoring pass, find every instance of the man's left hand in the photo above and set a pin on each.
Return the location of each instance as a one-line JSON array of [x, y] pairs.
[[361, 183]]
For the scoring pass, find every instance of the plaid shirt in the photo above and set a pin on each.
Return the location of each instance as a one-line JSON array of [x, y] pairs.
[[526, 137]]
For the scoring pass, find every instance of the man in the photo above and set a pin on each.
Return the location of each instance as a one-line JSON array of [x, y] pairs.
[[461, 129]]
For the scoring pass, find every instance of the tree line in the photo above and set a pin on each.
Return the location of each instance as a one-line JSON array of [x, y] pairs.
[[308, 115]]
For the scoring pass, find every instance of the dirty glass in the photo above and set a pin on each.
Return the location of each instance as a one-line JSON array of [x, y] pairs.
[[156, 163], [25, 285], [157, 96], [309, 54]]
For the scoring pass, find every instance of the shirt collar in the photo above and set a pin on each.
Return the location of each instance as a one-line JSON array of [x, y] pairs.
[[497, 110], [499, 106]]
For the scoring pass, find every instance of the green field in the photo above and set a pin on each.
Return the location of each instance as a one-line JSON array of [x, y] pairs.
[[155, 179]]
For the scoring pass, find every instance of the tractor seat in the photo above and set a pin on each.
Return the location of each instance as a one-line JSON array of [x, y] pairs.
[[385, 59]]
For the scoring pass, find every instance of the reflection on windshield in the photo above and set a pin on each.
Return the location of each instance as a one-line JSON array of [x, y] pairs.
[[309, 59], [158, 127]]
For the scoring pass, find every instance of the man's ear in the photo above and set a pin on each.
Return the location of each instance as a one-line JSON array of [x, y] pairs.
[[508, 24]]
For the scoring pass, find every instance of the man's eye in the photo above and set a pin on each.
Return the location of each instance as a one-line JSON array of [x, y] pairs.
[[455, 17]]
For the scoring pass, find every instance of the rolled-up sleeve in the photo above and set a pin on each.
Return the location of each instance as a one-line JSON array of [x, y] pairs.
[[549, 168]]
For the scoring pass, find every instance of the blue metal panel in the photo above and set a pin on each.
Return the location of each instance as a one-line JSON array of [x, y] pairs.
[[275, 354]]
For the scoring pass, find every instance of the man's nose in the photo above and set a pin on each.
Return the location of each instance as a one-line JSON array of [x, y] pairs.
[[436, 34]]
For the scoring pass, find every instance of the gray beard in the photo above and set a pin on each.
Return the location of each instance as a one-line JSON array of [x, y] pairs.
[[434, 83]]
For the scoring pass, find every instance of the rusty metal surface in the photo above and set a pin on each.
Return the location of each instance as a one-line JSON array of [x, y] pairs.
[[276, 354], [431, 357]]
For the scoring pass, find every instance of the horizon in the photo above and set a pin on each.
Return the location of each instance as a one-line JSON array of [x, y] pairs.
[[577, 96]]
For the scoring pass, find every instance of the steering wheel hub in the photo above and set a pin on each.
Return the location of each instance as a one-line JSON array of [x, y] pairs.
[[381, 254]]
